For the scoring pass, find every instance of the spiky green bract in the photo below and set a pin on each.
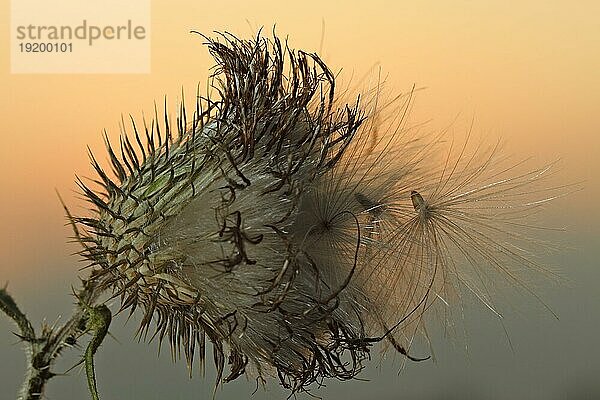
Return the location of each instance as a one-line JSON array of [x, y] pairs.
[[194, 230]]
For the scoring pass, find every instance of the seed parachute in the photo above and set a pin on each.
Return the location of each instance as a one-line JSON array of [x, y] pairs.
[[294, 230]]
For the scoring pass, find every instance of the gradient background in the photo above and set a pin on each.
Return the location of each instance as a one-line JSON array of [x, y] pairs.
[[528, 73]]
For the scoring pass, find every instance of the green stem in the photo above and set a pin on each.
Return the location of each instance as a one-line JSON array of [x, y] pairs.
[[98, 322], [41, 351]]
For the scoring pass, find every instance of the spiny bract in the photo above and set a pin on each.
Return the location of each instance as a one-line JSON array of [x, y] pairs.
[[278, 223]]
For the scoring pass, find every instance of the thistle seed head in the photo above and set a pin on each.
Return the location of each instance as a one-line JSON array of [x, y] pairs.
[[279, 224]]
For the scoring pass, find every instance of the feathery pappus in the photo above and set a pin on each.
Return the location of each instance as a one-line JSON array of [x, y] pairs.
[[290, 229]]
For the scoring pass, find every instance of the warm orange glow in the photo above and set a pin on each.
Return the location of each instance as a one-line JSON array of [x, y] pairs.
[[527, 74]]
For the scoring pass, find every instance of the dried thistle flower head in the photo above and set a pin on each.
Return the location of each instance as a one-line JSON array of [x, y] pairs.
[[279, 224]]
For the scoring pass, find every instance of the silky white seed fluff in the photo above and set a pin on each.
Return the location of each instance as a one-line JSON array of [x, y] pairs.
[[294, 231]]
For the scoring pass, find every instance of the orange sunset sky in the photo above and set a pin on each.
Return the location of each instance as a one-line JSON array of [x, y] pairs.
[[526, 72]]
